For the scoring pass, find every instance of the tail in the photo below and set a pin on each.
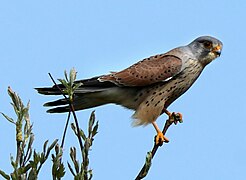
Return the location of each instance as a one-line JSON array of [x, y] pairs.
[[81, 101], [90, 94]]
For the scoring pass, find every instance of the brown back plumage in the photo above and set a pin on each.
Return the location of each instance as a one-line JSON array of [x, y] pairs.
[[148, 71]]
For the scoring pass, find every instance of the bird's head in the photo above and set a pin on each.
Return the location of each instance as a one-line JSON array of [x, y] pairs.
[[206, 49]]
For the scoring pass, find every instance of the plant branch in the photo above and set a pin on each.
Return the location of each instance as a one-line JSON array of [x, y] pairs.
[[73, 112], [25, 166], [175, 117], [65, 130]]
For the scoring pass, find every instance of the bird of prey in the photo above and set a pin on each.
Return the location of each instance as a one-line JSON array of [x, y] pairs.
[[147, 87]]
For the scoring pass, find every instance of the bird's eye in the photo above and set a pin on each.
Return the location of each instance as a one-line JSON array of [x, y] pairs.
[[207, 44]]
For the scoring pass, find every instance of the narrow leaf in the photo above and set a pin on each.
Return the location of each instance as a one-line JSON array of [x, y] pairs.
[[90, 174], [8, 118], [44, 146], [51, 147], [70, 168], [95, 128], [77, 85], [91, 122], [65, 74], [74, 128], [4, 175], [82, 134], [147, 165], [72, 76], [64, 83]]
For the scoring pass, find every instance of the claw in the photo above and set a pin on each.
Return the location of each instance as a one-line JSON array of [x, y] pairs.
[[160, 138], [175, 118]]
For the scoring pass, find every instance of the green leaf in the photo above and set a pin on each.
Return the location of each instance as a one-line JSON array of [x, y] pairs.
[[74, 128], [60, 171], [51, 147], [29, 147], [36, 157], [72, 76], [147, 165], [77, 85], [74, 159], [4, 175], [13, 163], [91, 122], [26, 168], [44, 146], [95, 128], [82, 134], [76, 166], [57, 149], [73, 154], [65, 74], [8, 118], [90, 174], [42, 158], [14, 97], [70, 168], [29, 156], [64, 83], [32, 175]]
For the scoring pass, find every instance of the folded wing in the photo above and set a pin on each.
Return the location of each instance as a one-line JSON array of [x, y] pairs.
[[148, 71]]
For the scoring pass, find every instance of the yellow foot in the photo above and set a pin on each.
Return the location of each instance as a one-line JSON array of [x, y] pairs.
[[160, 138], [175, 118]]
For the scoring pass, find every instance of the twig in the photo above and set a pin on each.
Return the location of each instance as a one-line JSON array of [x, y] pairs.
[[28, 163], [173, 119], [73, 112], [65, 130], [154, 149]]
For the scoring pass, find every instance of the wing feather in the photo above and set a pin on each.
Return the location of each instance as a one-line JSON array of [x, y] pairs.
[[148, 71]]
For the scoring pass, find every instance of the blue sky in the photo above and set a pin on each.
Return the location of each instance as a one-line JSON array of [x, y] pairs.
[[95, 37]]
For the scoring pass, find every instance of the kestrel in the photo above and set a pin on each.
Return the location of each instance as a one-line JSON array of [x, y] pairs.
[[147, 87]]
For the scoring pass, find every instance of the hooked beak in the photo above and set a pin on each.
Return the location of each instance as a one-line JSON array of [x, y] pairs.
[[217, 50]]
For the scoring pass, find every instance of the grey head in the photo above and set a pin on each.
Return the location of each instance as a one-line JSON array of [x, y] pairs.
[[206, 49]]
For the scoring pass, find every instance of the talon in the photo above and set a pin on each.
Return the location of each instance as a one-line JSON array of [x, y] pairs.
[[180, 115], [160, 138], [176, 117]]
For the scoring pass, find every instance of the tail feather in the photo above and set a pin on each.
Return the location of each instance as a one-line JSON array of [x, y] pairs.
[[48, 91], [90, 94], [58, 102], [88, 85], [81, 101], [59, 110]]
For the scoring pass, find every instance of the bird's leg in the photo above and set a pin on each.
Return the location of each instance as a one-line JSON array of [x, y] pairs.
[[172, 118], [159, 138]]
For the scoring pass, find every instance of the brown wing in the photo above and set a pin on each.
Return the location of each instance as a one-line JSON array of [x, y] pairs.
[[148, 71]]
